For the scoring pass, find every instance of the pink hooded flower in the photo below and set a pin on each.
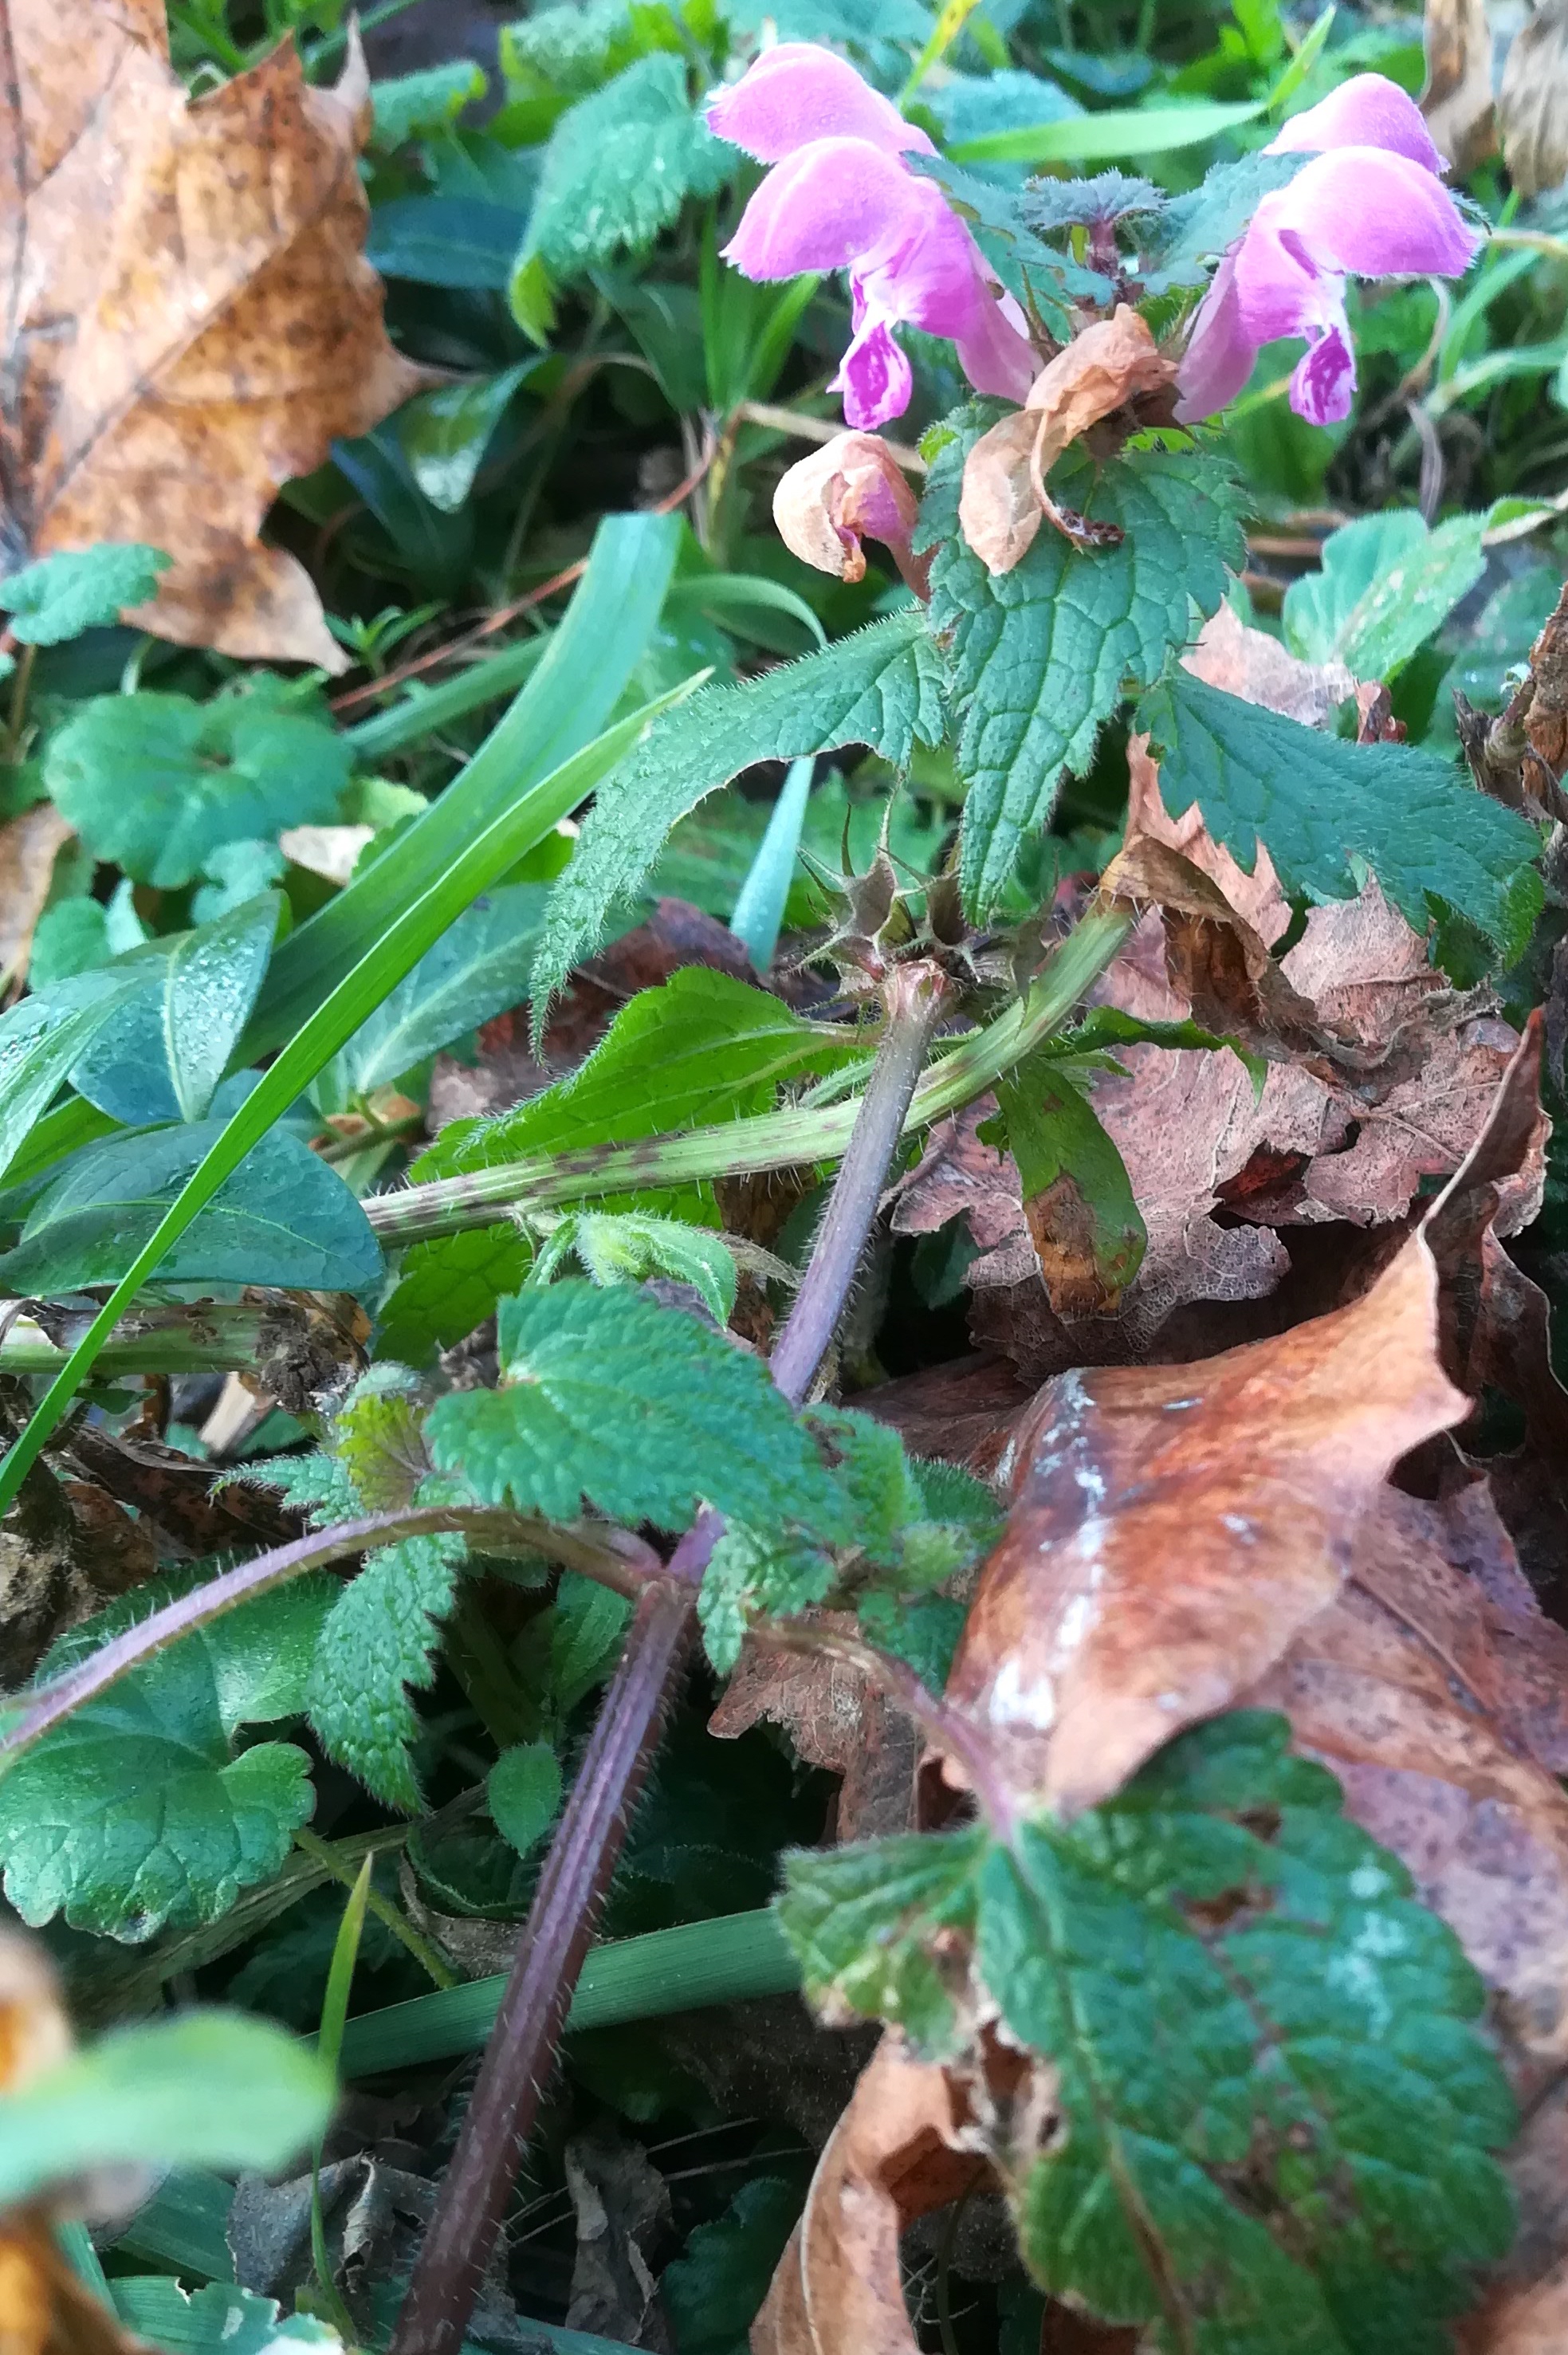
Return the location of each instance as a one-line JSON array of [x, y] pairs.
[[840, 196], [1369, 205]]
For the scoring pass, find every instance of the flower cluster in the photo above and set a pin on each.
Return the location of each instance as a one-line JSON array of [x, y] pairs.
[[841, 196], [1369, 205]]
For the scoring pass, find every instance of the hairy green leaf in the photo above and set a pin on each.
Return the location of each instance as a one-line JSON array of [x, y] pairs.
[[882, 686], [83, 589], [284, 1218], [1041, 655], [640, 1410], [382, 1637], [619, 166], [1317, 803], [627, 1246], [1088, 1231], [141, 1809], [523, 1793], [713, 2292], [156, 782], [1272, 2113]]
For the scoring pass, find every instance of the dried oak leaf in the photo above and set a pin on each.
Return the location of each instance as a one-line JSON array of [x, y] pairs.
[[1458, 98], [192, 318], [1003, 497], [895, 2154], [1174, 1528]]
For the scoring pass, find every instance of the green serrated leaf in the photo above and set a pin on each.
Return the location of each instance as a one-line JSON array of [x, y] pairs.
[[83, 589], [523, 1793], [208, 2089], [752, 1574], [619, 166], [1274, 2109], [218, 2320], [284, 1218], [1388, 583], [382, 1637], [157, 782], [627, 1246], [1317, 803], [713, 2291], [640, 1410], [418, 105], [141, 1810], [881, 687], [1041, 655], [864, 1919], [922, 1630], [378, 1436], [587, 1624], [876, 1475], [1194, 231]]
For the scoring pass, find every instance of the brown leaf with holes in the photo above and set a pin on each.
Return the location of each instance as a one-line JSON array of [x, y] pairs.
[[835, 1719], [1174, 1528], [1458, 98], [193, 321], [894, 2155], [1003, 497]]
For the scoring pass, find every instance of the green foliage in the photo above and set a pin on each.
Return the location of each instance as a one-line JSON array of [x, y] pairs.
[[60, 596], [1040, 657], [284, 1218], [158, 783], [881, 688], [219, 2319], [523, 1793], [208, 2089], [380, 1639], [619, 166], [1317, 803], [641, 1410], [141, 1809], [629, 1247], [1273, 2112], [1062, 1152], [161, 1055], [702, 1048], [712, 2292], [1388, 584]]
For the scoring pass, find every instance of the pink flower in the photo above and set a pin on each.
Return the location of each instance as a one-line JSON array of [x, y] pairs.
[[840, 196], [1369, 205]]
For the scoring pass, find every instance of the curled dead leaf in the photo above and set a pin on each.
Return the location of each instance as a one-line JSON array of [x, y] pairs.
[[835, 1719], [1458, 98], [1004, 495], [851, 490], [195, 322], [895, 2155], [1533, 103]]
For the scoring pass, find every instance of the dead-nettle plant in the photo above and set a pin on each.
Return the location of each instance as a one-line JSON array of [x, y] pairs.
[[1312, 2139]]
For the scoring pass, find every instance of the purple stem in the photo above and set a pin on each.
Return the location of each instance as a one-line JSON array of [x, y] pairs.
[[520, 2054]]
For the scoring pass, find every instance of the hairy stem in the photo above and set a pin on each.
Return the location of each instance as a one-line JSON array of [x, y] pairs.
[[593, 1829], [614, 1557], [779, 1140]]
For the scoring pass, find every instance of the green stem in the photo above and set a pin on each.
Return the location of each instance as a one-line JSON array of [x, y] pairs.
[[211, 1336], [390, 1916], [787, 1139]]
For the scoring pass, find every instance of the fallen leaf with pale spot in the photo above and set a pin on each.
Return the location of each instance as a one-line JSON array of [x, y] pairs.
[[193, 320], [30, 845]]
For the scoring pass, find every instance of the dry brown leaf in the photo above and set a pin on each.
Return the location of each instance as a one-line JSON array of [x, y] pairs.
[[1532, 2321], [835, 1719], [1533, 103], [30, 845], [1173, 1529], [894, 2155], [193, 320], [1458, 98], [1548, 718], [1004, 497], [1249, 663]]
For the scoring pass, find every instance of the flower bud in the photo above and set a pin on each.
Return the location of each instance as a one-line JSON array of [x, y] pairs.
[[851, 490]]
